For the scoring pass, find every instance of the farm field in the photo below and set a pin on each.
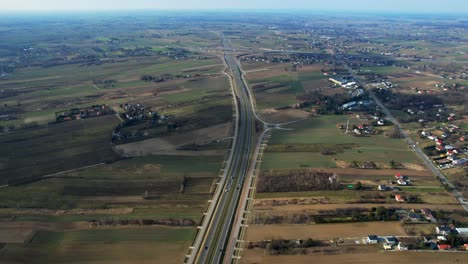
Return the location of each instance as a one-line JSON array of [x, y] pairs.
[[322, 132], [324, 231], [39, 151], [258, 256], [276, 88], [166, 244]]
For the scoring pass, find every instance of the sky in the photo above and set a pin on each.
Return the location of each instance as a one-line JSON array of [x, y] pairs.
[[406, 6]]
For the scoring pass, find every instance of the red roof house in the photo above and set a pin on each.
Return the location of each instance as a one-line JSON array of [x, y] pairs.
[[444, 247], [399, 198]]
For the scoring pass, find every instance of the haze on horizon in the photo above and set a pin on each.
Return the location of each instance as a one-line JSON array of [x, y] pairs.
[[399, 6]]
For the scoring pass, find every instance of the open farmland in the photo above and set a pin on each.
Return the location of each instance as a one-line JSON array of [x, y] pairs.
[[319, 133], [258, 256], [39, 151], [102, 246], [324, 232], [276, 87]]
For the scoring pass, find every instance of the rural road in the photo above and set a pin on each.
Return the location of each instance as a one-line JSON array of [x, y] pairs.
[[457, 194]]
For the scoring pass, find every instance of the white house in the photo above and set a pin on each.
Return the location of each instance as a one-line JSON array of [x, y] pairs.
[[462, 231]]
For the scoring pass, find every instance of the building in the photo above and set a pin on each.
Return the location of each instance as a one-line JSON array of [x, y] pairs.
[[462, 231], [400, 246], [428, 214], [399, 198], [349, 105], [382, 188], [402, 182], [372, 239], [387, 246], [335, 81], [444, 247], [390, 240], [445, 230]]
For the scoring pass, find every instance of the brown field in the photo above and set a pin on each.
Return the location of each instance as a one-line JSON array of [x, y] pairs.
[[15, 235], [379, 172], [274, 70], [265, 206], [258, 256], [282, 116], [169, 145], [324, 231]]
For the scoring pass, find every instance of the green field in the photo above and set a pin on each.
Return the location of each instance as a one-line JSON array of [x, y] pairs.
[[322, 131], [160, 176]]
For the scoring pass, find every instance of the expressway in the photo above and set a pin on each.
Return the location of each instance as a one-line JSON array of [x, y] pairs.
[[213, 236]]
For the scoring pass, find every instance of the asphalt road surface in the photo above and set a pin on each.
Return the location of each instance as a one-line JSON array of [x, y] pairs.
[[212, 239]]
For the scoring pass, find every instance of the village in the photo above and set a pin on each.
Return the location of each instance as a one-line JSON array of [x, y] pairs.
[[139, 121], [83, 113]]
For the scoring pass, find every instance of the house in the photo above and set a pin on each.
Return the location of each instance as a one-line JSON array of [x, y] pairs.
[[414, 217], [402, 182], [381, 122], [335, 81], [349, 105], [382, 188], [399, 198], [372, 239], [428, 214], [390, 240], [444, 247], [400, 246], [398, 176], [460, 161], [445, 230], [440, 148], [465, 246], [462, 231], [387, 246], [441, 238]]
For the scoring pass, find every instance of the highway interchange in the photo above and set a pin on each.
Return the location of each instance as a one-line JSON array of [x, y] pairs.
[[218, 234]]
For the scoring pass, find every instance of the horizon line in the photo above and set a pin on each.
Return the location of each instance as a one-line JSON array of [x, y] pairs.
[[250, 10]]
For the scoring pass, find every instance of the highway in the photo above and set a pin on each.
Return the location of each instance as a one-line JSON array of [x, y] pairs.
[[215, 232]]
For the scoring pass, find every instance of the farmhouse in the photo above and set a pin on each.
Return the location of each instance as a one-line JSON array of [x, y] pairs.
[[387, 246], [390, 240], [462, 231], [399, 198], [428, 214], [335, 81], [400, 246], [444, 247], [402, 182], [445, 230], [382, 188], [349, 105], [372, 239]]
